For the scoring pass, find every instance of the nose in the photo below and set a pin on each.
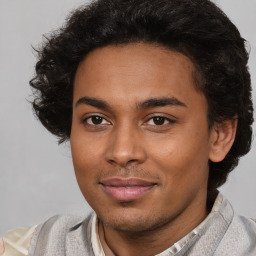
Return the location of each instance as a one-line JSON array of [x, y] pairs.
[[125, 147]]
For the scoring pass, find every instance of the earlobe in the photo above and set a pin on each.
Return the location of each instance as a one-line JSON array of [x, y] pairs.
[[223, 136]]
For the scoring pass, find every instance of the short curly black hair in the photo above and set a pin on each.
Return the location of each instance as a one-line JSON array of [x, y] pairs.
[[197, 29]]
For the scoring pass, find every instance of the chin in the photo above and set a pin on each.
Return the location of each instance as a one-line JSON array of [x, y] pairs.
[[134, 222]]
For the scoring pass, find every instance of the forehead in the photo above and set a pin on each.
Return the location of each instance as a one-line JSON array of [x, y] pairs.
[[135, 72]]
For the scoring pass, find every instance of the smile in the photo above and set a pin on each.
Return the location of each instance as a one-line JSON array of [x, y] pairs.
[[126, 189]]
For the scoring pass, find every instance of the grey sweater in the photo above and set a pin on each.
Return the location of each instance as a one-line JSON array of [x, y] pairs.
[[223, 233]]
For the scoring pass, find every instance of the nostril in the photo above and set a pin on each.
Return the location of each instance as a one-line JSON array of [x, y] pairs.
[[111, 161], [122, 163], [132, 161]]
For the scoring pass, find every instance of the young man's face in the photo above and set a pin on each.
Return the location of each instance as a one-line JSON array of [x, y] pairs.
[[140, 139]]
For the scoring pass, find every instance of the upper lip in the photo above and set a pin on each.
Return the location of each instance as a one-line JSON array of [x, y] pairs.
[[126, 182]]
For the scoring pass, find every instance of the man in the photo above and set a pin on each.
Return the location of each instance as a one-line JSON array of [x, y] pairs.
[[155, 98]]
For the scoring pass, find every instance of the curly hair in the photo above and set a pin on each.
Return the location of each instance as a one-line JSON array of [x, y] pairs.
[[197, 29]]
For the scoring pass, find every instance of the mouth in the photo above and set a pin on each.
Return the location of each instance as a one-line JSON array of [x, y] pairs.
[[126, 189]]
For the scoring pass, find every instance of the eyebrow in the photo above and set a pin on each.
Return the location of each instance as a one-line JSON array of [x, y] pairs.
[[98, 103], [149, 103], [160, 102]]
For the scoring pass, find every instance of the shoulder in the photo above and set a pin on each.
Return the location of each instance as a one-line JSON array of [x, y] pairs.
[[240, 237], [59, 225], [59, 234], [51, 234], [16, 242]]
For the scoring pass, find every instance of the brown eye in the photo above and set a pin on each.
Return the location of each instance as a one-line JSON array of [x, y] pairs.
[[96, 120], [159, 120]]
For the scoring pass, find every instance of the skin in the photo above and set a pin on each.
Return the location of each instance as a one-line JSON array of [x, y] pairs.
[[128, 140]]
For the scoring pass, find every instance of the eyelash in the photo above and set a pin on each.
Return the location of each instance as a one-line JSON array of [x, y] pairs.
[[85, 120], [162, 118]]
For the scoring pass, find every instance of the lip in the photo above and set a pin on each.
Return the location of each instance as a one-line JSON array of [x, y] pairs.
[[126, 189]]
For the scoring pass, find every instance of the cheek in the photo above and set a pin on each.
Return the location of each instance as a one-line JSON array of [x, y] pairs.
[[85, 166], [85, 148], [182, 157], [86, 158]]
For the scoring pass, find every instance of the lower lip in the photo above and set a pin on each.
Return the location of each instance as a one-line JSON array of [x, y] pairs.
[[125, 194]]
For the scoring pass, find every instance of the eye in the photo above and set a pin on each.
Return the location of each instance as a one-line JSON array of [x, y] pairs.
[[96, 120], [159, 121]]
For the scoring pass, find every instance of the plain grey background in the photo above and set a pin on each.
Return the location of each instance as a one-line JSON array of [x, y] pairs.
[[37, 179]]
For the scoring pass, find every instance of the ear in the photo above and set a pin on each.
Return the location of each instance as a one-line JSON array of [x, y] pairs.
[[222, 138]]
